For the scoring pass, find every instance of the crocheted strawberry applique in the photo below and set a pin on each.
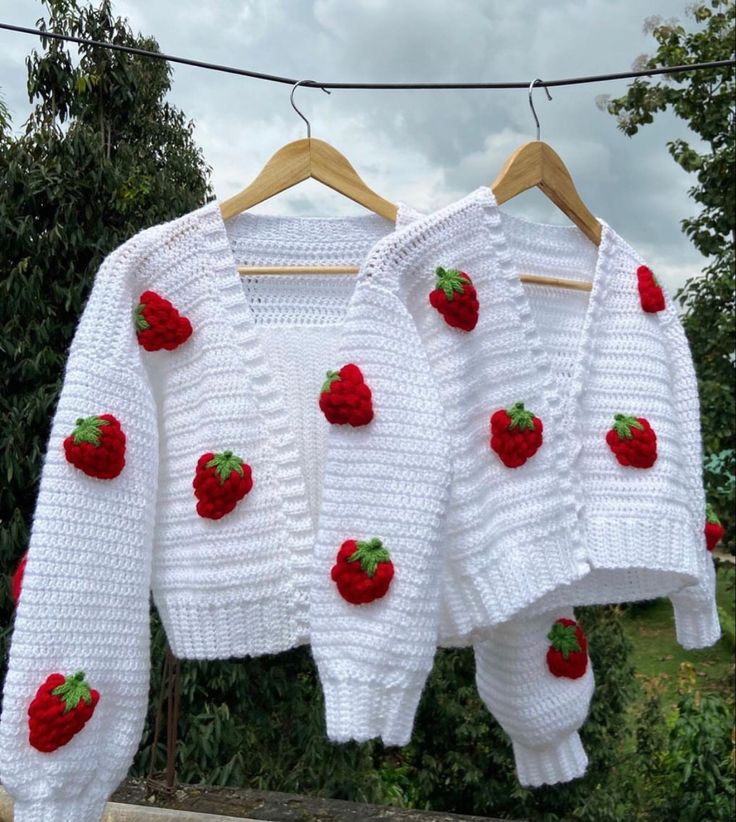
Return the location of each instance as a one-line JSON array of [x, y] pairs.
[[97, 446], [714, 531], [455, 298], [345, 398], [16, 581], [651, 295], [633, 441], [516, 434], [158, 324], [61, 708], [362, 571], [567, 655], [220, 482]]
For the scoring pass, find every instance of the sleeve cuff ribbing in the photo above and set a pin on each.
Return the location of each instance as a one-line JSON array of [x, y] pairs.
[[362, 710], [696, 623], [547, 766]]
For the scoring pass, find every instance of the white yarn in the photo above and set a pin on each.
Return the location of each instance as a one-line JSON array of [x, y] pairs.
[[473, 543], [540, 712]]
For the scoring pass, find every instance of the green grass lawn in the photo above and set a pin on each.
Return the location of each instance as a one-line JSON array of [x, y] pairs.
[[651, 629]]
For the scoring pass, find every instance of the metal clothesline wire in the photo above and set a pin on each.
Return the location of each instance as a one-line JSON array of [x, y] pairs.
[[275, 78]]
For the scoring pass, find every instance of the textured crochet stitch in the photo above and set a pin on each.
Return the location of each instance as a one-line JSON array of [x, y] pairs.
[[633, 441], [220, 482], [714, 531], [97, 446], [567, 655], [516, 434], [456, 299], [362, 571], [158, 324], [61, 708], [651, 295], [345, 399]]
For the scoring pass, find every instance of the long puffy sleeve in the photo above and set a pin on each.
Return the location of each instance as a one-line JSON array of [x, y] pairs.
[[696, 614], [535, 677], [76, 691], [374, 628]]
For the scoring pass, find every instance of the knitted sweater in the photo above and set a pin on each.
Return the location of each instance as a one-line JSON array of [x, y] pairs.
[[195, 469], [572, 525], [635, 532]]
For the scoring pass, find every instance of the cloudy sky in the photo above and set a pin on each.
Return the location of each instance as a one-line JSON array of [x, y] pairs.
[[424, 148]]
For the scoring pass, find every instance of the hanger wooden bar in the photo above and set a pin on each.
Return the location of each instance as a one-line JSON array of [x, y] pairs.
[[259, 270]]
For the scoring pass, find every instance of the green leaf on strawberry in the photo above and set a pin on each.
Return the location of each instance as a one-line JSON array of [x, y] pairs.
[[141, 323], [370, 554], [88, 430], [564, 639], [520, 417], [623, 425], [711, 515], [72, 691], [224, 464], [451, 281], [332, 376]]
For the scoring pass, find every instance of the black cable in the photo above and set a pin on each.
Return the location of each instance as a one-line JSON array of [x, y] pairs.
[[275, 78]]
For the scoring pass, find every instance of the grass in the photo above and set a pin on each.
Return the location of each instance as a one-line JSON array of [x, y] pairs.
[[651, 629]]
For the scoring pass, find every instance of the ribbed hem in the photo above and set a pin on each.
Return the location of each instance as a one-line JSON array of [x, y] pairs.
[[548, 766], [503, 586], [365, 710], [87, 808], [631, 542], [217, 628], [696, 625]]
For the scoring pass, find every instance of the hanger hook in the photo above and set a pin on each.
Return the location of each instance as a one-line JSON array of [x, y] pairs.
[[531, 102], [293, 104]]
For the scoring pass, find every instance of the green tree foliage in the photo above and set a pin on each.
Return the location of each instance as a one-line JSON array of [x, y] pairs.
[[683, 764], [706, 101], [101, 156]]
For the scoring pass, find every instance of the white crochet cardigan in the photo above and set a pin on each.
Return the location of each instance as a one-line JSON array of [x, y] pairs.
[[420, 477]]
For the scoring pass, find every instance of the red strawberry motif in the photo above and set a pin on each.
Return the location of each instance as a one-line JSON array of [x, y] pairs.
[[568, 654], [362, 571], [455, 298], [714, 531], [220, 482], [16, 582], [516, 434], [633, 441], [650, 291], [97, 446], [61, 708], [345, 398], [158, 324]]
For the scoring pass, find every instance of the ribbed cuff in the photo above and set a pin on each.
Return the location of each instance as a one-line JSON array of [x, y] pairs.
[[87, 808], [365, 710], [547, 766], [696, 624]]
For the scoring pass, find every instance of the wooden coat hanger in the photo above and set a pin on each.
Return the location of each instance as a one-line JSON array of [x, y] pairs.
[[294, 163], [537, 164]]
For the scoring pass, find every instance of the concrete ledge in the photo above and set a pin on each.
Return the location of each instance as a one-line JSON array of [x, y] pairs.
[[117, 812], [134, 801]]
